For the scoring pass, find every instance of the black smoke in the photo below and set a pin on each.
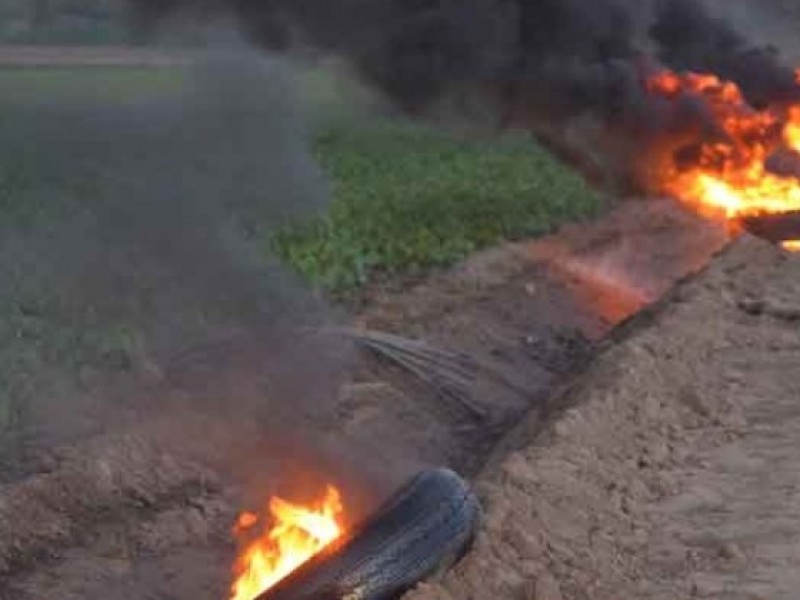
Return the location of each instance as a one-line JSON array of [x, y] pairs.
[[689, 38], [565, 56], [134, 238]]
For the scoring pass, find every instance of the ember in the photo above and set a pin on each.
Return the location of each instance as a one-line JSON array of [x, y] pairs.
[[722, 170], [791, 245], [292, 534]]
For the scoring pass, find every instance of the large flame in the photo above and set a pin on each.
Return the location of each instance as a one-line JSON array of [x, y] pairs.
[[721, 168], [291, 535]]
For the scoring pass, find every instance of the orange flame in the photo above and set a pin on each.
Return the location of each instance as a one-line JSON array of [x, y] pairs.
[[791, 245], [724, 173], [292, 535]]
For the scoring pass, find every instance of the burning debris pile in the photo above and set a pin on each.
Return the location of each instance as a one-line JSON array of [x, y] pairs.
[[311, 551], [734, 169]]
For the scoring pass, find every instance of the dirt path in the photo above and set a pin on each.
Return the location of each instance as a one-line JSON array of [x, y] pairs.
[[738, 513], [677, 474]]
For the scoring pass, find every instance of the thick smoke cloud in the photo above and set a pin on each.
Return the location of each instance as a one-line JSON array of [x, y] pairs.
[[136, 237], [565, 56], [690, 38]]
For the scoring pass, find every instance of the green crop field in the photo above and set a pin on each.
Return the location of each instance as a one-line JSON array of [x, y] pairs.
[[408, 196], [405, 196]]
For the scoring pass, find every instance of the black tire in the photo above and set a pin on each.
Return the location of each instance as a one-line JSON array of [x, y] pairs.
[[774, 228], [425, 528]]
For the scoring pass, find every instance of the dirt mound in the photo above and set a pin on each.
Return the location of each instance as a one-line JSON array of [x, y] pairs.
[[48, 510], [675, 474]]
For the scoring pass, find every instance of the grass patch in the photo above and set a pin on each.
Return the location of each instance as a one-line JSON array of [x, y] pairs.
[[407, 197]]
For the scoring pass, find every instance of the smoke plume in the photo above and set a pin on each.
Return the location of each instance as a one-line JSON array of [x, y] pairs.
[[567, 55], [573, 72], [135, 236], [689, 38]]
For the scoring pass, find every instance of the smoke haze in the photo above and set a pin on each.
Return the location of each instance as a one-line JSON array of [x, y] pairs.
[[136, 236], [572, 53]]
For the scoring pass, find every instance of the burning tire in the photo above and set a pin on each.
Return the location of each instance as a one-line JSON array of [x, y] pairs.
[[424, 529]]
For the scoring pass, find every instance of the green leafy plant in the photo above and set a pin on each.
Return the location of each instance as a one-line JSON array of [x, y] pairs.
[[407, 197]]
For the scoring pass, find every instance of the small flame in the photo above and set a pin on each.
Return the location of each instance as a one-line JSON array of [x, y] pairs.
[[791, 132], [791, 245], [724, 173], [292, 535]]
